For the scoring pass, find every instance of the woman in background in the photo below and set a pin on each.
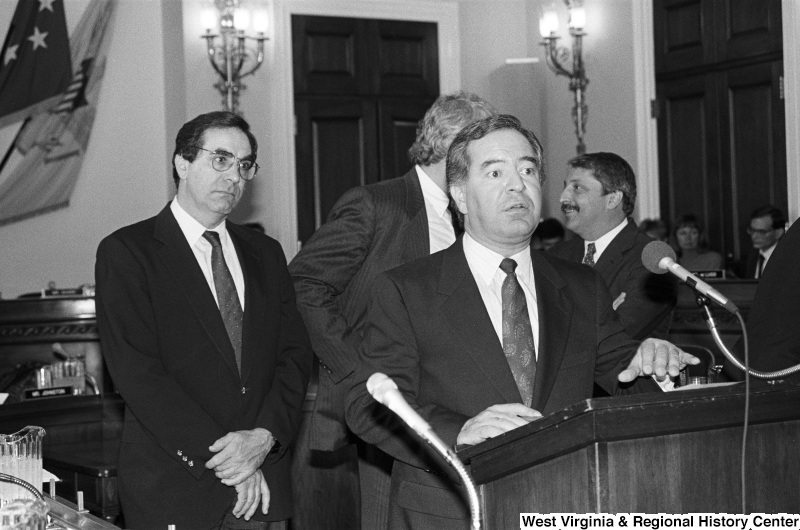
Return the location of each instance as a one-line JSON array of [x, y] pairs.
[[693, 251]]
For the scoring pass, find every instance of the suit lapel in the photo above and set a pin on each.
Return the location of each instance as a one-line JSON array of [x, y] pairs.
[[416, 237], [608, 264], [256, 294], [555, 319], [466, 314], [180, 260]]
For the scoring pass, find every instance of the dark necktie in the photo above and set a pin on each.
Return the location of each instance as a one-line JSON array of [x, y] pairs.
[[517, 333], [588, 259], [760, 265], [229, 306]]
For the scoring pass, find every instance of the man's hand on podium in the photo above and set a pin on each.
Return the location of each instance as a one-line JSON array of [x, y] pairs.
[[495, 420], [657, 358]]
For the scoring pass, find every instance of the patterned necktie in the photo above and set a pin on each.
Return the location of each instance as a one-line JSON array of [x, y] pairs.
[[588, 259], [517, 334], [229, 306]]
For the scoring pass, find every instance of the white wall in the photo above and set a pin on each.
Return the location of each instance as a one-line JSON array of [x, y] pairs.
[[123, 175]]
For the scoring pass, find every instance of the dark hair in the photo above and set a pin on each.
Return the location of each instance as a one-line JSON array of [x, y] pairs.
[[448, 115], [457, 168], [654, 225], [690, 220], [613, 172], [778, 220], [190, 137], [549, 228]]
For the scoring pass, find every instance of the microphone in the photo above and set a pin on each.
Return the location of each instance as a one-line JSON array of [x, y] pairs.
[[384, 390], [659, 258]]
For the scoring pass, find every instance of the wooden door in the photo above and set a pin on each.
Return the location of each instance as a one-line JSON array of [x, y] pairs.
[[361, 86], [753, 131], [721, 125]]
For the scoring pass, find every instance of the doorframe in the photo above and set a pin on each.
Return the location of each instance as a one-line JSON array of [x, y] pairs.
[[647, 136], [444, 14]]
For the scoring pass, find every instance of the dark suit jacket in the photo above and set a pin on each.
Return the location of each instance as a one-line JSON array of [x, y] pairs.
[[649, 298], [170, 357], [429, 330], [370, 229], [773, 324]]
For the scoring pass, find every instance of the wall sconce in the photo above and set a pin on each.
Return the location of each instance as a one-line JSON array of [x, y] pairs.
[[230, 55], [557, 57]]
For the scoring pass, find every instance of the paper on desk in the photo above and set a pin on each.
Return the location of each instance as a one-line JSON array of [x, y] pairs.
[[46, 476], [707, 385]]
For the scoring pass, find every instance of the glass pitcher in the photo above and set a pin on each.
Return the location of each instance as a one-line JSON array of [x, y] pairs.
[[21, 457]]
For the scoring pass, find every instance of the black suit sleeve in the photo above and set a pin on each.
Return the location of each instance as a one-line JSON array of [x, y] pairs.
[[128, 331], [390, 346], [649, 299], [323, 269], [292, 370]]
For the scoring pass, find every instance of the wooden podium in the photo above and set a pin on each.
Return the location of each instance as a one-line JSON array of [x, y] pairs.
[[677, 452]]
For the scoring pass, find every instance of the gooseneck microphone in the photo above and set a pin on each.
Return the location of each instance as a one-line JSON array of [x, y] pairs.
[[659, 258], [384, 390]]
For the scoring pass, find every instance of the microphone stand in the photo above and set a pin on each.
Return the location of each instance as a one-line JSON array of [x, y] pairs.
[[705, 305]]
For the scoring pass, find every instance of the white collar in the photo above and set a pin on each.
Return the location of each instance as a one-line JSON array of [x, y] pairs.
[[191, 227], [432, 192], [485, 262], [603, 241]]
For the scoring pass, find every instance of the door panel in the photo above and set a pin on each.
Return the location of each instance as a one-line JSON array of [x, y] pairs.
[[683, 34], [407, 58], [397, 120], [327, 57], [336, 150], [688, 153], [755, 128]]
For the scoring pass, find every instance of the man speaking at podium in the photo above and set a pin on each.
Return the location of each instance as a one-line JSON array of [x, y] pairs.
[[488, 335]]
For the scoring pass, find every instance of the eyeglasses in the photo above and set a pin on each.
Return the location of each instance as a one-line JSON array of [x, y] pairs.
[[759, 231], [223, 161]]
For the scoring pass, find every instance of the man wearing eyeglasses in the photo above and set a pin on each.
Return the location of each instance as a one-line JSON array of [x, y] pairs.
[[767, 225], [202, 337]]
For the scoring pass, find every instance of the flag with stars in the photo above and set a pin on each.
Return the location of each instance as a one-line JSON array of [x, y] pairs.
[[39, 168], [35, 62]]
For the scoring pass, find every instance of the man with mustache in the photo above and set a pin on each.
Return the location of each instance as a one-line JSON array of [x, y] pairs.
[[488, 334], [202, 337], [598, 198]]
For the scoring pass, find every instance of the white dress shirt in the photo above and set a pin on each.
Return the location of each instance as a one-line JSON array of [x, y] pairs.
[[485, 267], [603, 241], [440, 225], [193, 231]]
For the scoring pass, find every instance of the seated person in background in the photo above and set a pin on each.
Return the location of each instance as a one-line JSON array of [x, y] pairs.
[[767, 225], [692, 246], [655, 228], [598, 198], [548, 233]]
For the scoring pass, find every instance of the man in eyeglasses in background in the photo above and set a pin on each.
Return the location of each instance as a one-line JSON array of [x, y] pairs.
[[767, 225], [202, 337]]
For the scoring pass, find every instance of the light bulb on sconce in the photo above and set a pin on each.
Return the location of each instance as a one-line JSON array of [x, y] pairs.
[[577, 18], [231, 59], [558, 57], [548, 24]]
